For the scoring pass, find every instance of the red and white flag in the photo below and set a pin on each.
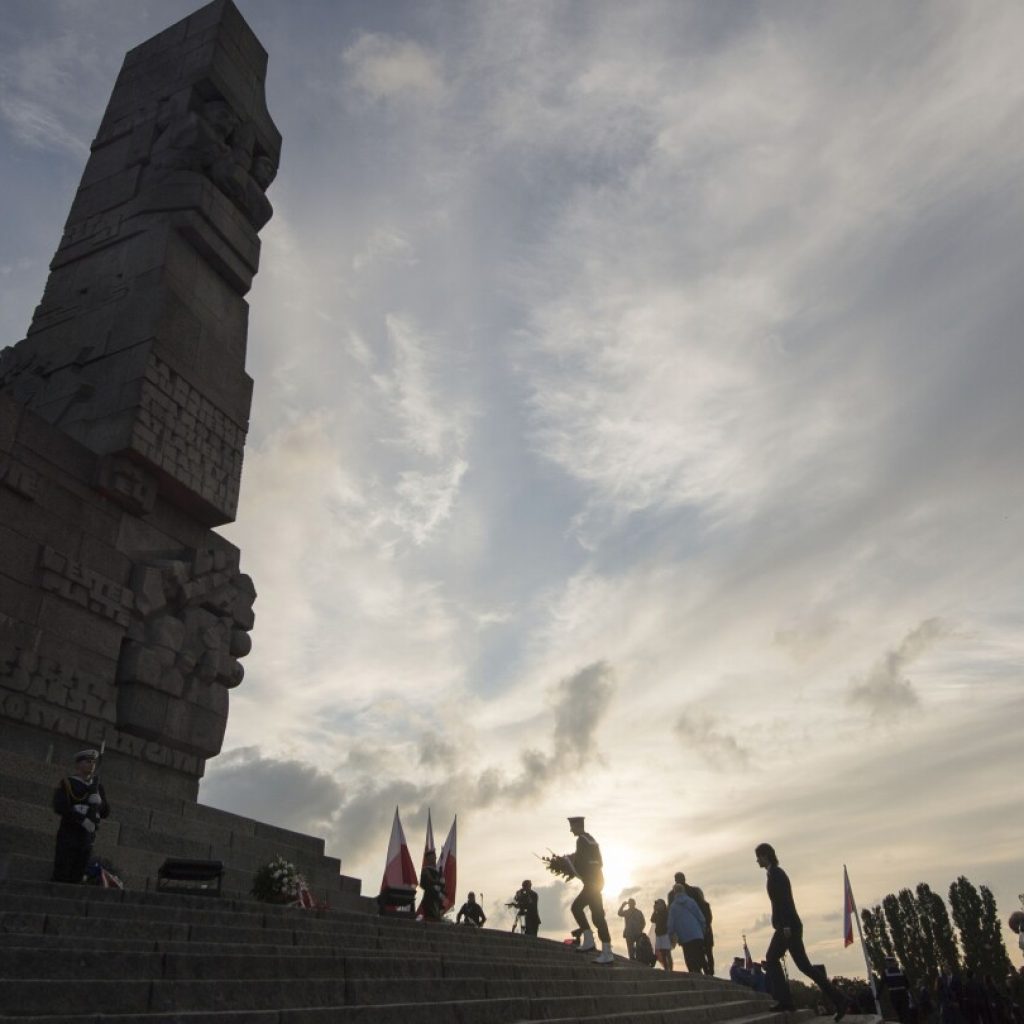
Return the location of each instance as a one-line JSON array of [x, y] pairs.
[[849, 910], [429, 852], [399, 870], [446, 868]]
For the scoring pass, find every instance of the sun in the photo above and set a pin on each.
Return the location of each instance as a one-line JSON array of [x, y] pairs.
[[618, 869]]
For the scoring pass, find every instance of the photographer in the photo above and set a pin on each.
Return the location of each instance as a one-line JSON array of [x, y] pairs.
[[471, 912], [81, 803], [526, 904]]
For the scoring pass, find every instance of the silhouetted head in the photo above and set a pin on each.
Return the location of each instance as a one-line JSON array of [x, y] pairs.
[[766, 856]]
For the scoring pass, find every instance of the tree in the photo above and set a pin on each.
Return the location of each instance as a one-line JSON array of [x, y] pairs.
[[995, 960], [968, 909], [907, 941], [876, 938], [935, 922]]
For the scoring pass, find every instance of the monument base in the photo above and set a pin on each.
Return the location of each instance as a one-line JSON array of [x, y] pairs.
[[146, 828]]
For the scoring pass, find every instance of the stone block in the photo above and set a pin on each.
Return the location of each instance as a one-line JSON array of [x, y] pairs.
[[18, 601], [19, 556], [10, 416], [273, 833], [36, 521], [169, 845], [81, 626], [84, 996]]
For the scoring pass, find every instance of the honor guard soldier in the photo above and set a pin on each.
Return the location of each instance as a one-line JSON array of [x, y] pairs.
[[81, 803], [588, 867]]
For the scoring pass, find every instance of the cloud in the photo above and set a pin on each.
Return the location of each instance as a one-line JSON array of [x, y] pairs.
[[885, 689], [700, 732], [386, 68], [358, 814], [293, 794]]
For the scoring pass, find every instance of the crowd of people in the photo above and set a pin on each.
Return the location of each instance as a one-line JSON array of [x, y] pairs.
[[951, 997]]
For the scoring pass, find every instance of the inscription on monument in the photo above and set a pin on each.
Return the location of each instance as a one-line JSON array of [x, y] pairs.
[[185, 434], [86, 587]]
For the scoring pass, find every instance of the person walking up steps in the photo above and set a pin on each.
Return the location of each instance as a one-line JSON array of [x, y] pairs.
[[789, 937], [588, 867]]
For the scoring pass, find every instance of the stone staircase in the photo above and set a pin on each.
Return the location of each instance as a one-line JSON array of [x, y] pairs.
[[137, 839], [83, 955]]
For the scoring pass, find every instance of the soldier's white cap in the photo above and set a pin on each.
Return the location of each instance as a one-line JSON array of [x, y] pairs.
[[87, 755]]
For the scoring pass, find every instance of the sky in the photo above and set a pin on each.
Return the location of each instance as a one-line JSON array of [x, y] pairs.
[[636, 434]]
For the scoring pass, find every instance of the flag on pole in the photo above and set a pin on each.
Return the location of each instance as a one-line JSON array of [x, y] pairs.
[[446, 868], [748, 960], [849, 910], [399, 870], [429, 853]]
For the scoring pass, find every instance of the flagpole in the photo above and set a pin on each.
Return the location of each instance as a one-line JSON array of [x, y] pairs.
[[863, 948]]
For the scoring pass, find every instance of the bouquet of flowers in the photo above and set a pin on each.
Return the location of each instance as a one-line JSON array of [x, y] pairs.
[[278, 882], [559, 866]]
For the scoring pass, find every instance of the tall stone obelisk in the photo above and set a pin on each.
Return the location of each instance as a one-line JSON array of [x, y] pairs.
[[123, 416]]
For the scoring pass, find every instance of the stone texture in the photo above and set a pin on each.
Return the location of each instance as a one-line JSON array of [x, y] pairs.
[[123, 416]]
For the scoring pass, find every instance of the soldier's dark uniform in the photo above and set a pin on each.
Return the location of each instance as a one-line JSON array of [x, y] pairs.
[[589, 867], [81, 805]]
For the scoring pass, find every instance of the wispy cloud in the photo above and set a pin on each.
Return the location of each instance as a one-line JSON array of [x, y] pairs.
[[886, 689]]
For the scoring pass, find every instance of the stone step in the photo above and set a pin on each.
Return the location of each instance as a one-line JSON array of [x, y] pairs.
[[506, 1011], [81, 955], [143, 995], [19, 963], [137, 864]]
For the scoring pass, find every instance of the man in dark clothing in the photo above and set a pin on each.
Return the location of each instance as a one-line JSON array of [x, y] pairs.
[[472, 912], [527, 906], [697, 895], [432, 885], [588, 867], [81, 803], [894, 981], [789, 937], [633, 925]]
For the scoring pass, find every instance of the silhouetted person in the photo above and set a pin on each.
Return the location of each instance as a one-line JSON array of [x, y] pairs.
[[81, 803], [527, 905], [895, 982], [687, 926], [471, 912], [432, 885], [662, 942], [697, 895], [588, 866], [789, 937], [633, 925]]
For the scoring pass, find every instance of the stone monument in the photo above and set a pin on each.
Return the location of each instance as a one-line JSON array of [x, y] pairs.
[[123, 416], [123, 616]]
